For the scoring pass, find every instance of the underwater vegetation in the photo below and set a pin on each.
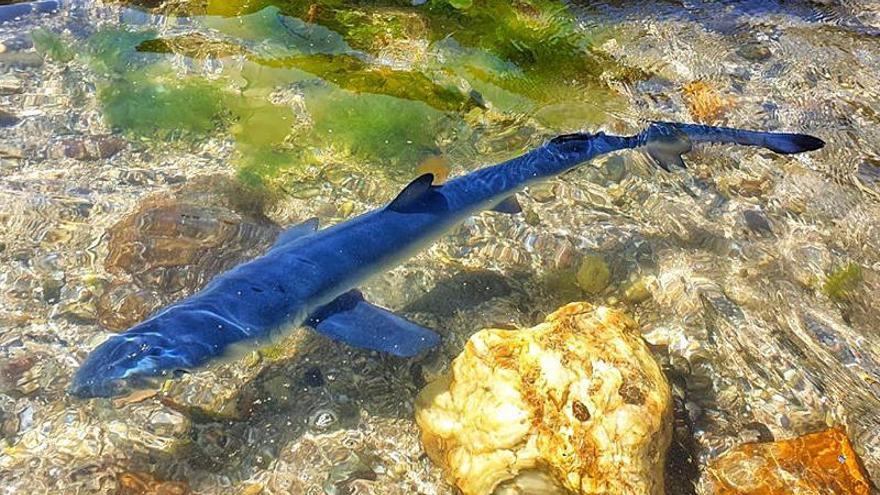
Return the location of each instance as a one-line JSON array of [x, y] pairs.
[[842, 281], [353, 74], [51, 46], [386, 86], [144, 106]]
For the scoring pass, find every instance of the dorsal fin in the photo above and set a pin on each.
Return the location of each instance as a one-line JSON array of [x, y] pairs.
[[297, 231], [418, 195]]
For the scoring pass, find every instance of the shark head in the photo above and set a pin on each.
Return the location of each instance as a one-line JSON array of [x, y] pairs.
[[129, 361]]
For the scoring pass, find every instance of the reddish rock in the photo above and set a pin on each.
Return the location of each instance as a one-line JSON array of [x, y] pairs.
[[72, 148], [134, 483], [88, 147], [815, 464], [705, 103]]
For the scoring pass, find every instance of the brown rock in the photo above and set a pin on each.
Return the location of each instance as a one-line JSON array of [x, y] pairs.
[[125, 303], [107, 146], [815, 464], [134, 483], [170, 246], [72, 148], [88, 148], [705, 103]]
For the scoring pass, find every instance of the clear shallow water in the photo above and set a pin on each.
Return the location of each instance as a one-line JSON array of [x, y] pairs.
[[147, 148]]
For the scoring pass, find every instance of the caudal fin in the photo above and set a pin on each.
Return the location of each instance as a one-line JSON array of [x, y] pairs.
[[792, 143], [666, 141]]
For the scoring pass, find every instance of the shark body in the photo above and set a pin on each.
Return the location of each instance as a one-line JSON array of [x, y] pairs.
[[309, 276]]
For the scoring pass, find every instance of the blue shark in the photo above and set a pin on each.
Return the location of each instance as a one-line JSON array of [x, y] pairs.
[[310, 276]]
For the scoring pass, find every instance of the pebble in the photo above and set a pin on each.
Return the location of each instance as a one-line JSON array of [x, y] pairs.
[[8, 119], [10, 85], [88, 148], [757, 222], [543, 193], [755, 52], [615, 168], [638, 291], [593, 275]]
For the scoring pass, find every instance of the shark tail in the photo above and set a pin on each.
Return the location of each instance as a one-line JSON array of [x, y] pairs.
[[666, 142]]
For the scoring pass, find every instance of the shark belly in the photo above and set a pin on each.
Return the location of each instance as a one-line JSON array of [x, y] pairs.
[[350, 253]]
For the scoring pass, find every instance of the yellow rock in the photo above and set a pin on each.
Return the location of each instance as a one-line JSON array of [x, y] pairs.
[[437, 165], [577, 399]]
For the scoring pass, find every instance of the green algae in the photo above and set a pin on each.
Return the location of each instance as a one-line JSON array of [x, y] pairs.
[[842, 281], [534, 34], [460, 4], [530, 33], [392, 132], [365, 29], [162, 108], [267, 32], [314, 82], [139, 96], [192, 45], [113, 51], [51, 45], [274, 352], [261, 134], [391, 135], [353, 74], [541, 38]]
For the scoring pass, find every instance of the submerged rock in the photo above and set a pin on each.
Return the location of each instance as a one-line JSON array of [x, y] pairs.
[[171, 246], [8, 119], [134, 483], [813, 464], [87, 148], [593, 275], [577, 400]]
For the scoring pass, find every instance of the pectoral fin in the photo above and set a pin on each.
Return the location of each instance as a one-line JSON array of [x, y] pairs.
[[509, 205], [351, 319], [666, 147]]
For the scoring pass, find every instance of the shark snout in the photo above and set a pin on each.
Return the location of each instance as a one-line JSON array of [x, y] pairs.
[[125, 363]]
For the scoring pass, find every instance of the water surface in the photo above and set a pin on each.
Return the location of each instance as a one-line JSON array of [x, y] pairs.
[[147, 146]]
